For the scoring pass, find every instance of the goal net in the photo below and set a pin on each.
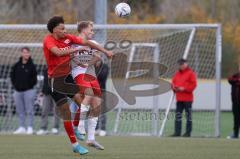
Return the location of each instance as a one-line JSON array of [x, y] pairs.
[[145, 59]]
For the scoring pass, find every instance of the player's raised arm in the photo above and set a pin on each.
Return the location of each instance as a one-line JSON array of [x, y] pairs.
[[97, 47]]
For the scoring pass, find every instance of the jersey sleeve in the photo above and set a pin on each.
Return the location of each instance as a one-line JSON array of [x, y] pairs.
[[49, 43], [75, 39]]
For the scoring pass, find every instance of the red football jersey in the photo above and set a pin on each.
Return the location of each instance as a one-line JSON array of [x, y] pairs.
[[58, 65]]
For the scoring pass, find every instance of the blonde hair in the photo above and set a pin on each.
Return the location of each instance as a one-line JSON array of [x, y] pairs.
[[83, 25]]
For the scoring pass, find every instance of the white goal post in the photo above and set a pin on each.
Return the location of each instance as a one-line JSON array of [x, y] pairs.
[[155, 99]]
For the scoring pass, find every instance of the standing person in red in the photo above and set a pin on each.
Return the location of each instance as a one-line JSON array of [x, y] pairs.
[[183, 84], [57, 50]]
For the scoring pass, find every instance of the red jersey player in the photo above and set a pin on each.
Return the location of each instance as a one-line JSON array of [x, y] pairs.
[[57, 50]]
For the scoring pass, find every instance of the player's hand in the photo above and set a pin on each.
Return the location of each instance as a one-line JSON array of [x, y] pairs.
[[109, 54]]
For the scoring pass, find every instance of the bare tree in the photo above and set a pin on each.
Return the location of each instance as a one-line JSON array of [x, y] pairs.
[[39, 11], [84, 9], [233, 7], [172, 9]]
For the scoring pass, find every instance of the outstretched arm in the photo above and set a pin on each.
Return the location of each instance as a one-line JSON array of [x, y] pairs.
[[92, 45]]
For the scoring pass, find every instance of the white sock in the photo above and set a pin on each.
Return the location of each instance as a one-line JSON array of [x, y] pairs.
[[81, 127], [92, 123], [84, 110]]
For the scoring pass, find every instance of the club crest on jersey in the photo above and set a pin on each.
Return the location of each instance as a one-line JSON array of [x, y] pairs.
[[67, 41]]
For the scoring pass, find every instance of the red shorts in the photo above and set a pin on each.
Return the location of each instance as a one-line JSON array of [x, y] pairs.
[[85, 81]]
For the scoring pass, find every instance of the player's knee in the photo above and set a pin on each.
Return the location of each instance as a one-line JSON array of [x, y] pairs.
[[88, 92], [96, 101]]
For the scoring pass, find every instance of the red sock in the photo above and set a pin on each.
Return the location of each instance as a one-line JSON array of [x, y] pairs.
[[76, 118], [69, 129]]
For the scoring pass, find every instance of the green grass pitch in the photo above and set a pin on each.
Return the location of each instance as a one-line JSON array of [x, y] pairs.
[[203, 123], [118, 147], [57, 147]]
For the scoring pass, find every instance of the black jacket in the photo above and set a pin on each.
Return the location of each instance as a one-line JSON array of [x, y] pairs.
[[23, 76], [235, 83], [46, 88]]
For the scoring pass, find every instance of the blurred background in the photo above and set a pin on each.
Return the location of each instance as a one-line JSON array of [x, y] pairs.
[[143, 11]]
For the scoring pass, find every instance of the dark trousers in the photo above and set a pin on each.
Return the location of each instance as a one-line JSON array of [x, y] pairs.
[[178, 117], [48, 105], [101, 125], [236, 118], [102, 122]]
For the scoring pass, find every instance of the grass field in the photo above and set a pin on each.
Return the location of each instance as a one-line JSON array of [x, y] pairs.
[[203, 123], [118, 147], [57, 147]]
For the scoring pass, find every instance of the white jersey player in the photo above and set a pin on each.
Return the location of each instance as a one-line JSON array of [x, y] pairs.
[[83, 72]]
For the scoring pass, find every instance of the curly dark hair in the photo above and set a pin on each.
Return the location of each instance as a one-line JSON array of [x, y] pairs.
[[53, 22]]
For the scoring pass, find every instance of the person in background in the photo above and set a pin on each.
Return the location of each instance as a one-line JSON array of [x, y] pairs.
[[183, 84], [234, 81], [47, 106], [102, 71], [24, 78]]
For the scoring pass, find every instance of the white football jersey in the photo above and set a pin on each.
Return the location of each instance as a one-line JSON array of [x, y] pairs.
[[83, 57]]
